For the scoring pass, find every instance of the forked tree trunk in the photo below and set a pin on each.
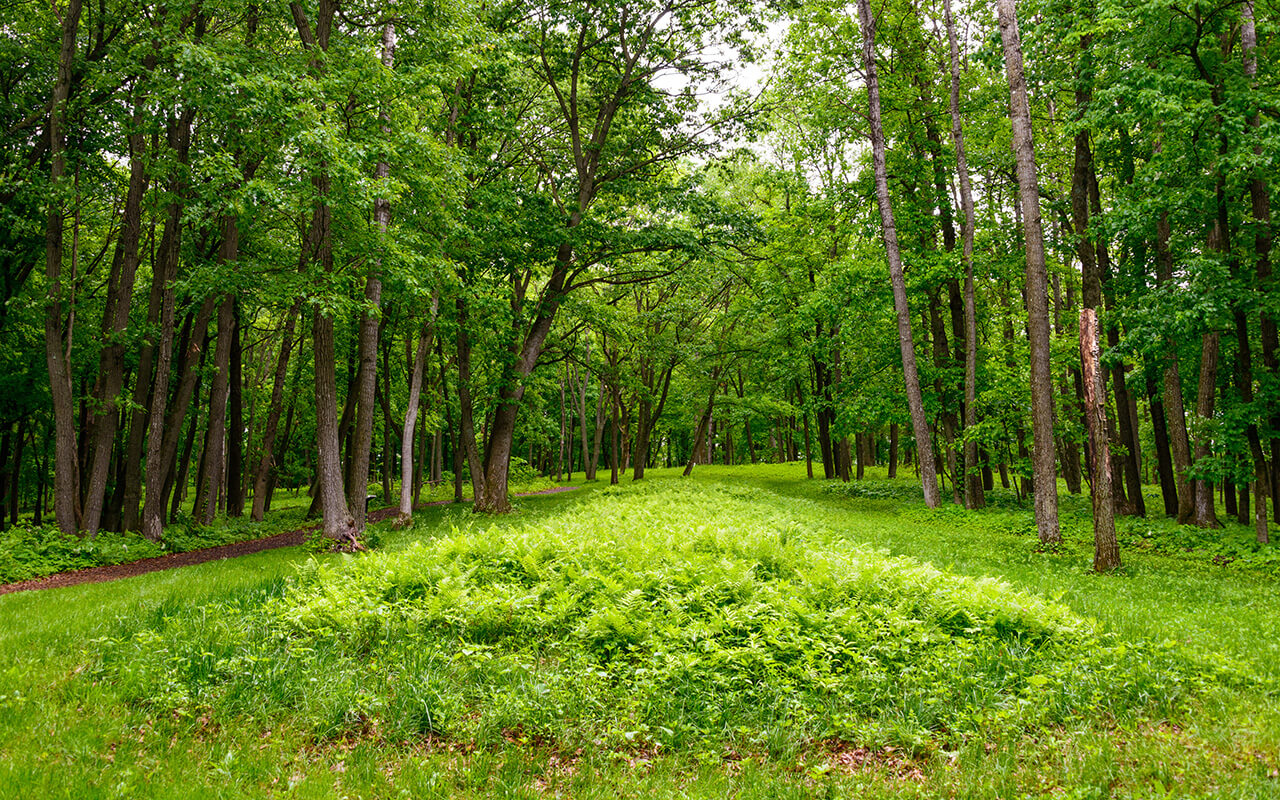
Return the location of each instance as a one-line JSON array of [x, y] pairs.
[[1045, 475], [423, 351], [704, 425], [915, 400]]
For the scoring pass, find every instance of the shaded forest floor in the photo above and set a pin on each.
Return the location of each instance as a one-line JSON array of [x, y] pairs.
[[75, 723]]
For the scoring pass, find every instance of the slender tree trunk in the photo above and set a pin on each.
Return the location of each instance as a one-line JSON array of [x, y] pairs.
[[598, 439], [370, 326], [235, 422], [1046, 483], [588, 468], [131, 516], [466, 409], [915, 400], [893, 451], [425, 336], [704, 425], [974, 497], [267, 463], [213, 461], [1164, 454]]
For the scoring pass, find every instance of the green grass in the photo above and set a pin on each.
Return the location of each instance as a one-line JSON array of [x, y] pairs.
[[79, 716]]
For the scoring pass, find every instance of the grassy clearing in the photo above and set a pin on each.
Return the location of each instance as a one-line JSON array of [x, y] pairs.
[[764, 655]]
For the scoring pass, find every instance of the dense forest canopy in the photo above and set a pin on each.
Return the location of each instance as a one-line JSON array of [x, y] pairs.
[[354, 247]]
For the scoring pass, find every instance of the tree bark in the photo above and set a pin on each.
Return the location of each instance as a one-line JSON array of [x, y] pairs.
[[1205, 514], [915, 399], [704, 424], [1164, 453], [267, 462], [973, 494], [423, 351], [1046, 483], [235, 421], [465, 406], [66, 484], [1106, 552], [1260, 202]]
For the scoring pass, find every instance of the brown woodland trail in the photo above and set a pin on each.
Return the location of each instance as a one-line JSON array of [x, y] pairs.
[[115, 572]]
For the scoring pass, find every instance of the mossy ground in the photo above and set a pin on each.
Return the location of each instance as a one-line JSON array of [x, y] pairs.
[[1158, 681]]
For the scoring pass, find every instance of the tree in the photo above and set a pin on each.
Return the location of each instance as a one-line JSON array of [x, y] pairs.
[[889, 232], [1046, 481]]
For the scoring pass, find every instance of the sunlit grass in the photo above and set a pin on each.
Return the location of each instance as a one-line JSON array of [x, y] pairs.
[[63, 734]]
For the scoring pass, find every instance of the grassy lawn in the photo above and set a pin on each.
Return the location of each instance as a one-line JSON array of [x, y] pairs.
[[1157, 681]]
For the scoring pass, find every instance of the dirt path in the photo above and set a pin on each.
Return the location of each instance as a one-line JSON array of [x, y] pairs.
[[115, 572]]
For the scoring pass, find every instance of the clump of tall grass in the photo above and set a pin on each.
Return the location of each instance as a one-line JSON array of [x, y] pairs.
[[662, 616]]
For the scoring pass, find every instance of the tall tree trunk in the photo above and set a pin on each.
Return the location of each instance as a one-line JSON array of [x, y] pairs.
[[1046, 482], [1260, 202], [1175, 413], [974, 497], [941, 360], [915, 400], [1106, 553], [66, 484], [370, 325]]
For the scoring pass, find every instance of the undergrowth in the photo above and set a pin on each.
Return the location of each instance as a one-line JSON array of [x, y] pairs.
[[1233, 546], [29, 551], [697, 618]]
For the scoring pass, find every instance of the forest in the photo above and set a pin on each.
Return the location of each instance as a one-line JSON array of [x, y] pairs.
[[639, 398]]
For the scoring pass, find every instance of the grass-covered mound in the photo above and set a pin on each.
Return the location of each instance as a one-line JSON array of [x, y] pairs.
[[669, 616]]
